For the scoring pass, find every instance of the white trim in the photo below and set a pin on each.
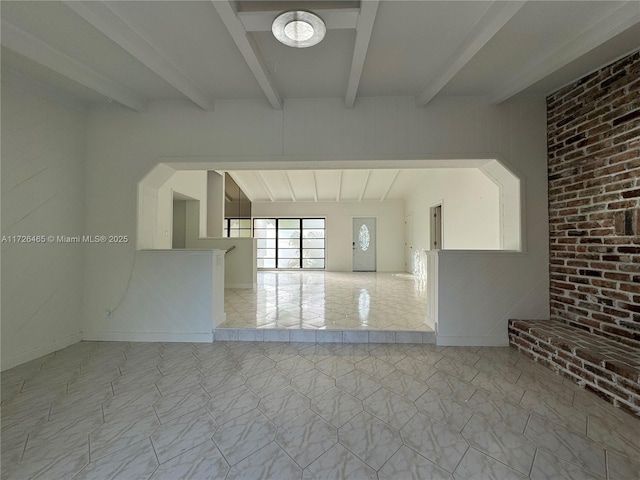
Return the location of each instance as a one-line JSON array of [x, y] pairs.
[[40, 351], [147, 337]]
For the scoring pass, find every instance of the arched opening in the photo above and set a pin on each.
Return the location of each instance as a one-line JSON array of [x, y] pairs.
[[480, 201]]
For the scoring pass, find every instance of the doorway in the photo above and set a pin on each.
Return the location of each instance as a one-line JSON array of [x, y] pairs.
[[179, 234], [364, 244], [436, 227], [409, 266]]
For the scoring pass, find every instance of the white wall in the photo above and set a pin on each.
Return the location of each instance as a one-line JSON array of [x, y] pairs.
[[192, 184], [510, 191], [339, 229], [124, 146], [215, 204], [470, 209], [240, 266], [43, 178], [478, 292], [172, 296]]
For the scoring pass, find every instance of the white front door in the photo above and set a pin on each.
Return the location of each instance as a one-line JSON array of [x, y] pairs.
[[364, 244]]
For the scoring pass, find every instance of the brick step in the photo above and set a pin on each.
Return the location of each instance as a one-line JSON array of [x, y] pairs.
[[605, 367]]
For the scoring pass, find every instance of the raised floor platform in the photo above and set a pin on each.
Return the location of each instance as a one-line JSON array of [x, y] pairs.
[[328, 307], [607, 368], [331, 301], [323, 336]]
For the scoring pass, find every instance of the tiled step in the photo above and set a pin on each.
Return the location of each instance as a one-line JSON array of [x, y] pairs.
[[323, 336]]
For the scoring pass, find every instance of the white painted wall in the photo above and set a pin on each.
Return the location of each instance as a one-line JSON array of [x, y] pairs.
[[509, 187], [215, 204], [43, 154], [339, 229], [240, 266], [172, 296], [192, 184], [470, 209], [478, 292], [124, 146]]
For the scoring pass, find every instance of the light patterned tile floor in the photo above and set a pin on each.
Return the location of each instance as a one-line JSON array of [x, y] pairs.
[[330, 300], [305, 411]]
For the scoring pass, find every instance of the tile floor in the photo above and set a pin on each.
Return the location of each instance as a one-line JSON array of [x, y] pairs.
[[330, 300], [248, 410]]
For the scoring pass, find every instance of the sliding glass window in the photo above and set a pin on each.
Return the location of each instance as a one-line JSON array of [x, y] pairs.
[[290, 242]]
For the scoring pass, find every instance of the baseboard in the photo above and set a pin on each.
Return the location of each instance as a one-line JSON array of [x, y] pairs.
[[147, 337], [461, 341], [41, 351]]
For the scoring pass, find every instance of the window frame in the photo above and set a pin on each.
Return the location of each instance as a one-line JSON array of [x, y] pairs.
[[301, 249], [226, 232]]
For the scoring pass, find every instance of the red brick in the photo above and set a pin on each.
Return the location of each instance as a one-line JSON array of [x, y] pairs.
[[623, 369], [594, 203]]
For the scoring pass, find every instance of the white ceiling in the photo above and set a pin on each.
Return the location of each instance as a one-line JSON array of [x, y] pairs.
[[136, 52], [132, 53], [357, 185]]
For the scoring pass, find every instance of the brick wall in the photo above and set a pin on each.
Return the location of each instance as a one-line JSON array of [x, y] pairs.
[[593, 149]]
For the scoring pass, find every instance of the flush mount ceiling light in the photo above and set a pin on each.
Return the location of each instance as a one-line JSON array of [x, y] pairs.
[[298, 29]]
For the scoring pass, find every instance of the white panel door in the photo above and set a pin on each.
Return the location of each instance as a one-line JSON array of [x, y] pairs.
[[364, 244], [408, 244]]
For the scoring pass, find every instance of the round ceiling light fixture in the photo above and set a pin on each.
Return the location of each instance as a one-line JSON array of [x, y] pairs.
[[298, 28]]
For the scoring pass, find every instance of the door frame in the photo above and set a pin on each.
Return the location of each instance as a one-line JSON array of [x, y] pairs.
[[409, 265], [433, 227], [354, 240]]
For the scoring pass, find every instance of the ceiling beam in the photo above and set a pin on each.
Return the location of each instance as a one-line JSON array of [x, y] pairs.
[[364, 185], [291, 192], [368, 10], [339, 186], [250, 51], [393, 181], [315, 186], [608, 27], [35, 49], [103, 18], [333, 18], [490, 23], [265, 186]]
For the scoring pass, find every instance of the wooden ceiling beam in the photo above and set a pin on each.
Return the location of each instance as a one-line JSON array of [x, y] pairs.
[[36, 50], [490, 23], [249, 50], [366, 19], [107, 21]]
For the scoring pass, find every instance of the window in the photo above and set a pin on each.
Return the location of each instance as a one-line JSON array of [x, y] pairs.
[[237, 227], [290, 242], [364, 238]]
